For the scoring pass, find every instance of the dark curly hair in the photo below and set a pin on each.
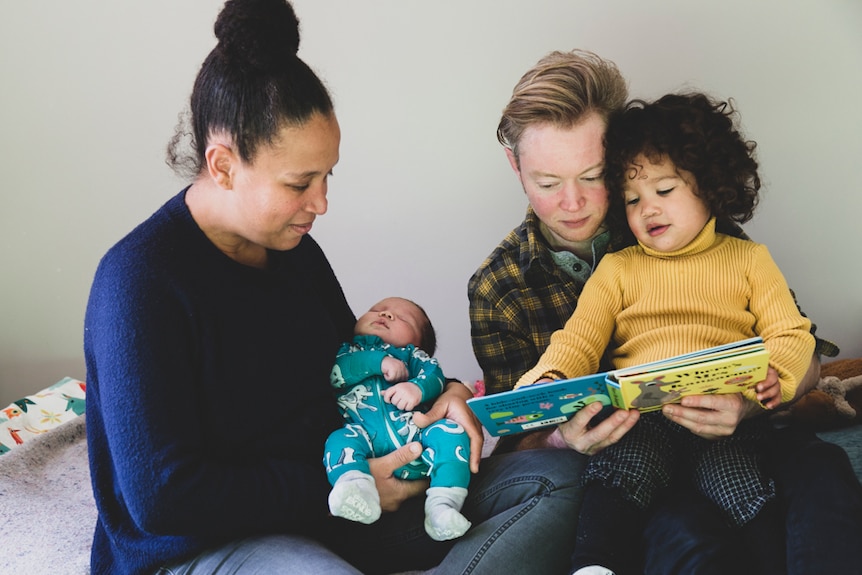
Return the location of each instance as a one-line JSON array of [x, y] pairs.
[[696, 133]]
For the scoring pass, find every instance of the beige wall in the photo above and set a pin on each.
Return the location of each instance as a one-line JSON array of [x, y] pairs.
[[91, 91]]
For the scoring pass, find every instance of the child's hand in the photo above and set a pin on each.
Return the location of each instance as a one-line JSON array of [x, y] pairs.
[[769, 390], [393, 369], [405, 395]]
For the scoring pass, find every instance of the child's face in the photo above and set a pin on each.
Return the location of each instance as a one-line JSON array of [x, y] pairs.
[[662, 207], [395, 320]]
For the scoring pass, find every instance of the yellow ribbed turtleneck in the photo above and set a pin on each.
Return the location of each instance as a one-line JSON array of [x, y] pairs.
[[647, 305]]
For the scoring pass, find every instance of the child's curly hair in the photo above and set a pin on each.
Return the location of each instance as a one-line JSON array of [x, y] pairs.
[[698, 135]]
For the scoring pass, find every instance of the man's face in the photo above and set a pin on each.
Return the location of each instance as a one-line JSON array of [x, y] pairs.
[[561, 171]]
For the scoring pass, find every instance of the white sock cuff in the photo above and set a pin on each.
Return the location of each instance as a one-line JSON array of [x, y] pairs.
[[456, 495]]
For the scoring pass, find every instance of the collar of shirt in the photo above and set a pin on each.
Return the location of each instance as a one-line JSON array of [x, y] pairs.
[[536, 253]]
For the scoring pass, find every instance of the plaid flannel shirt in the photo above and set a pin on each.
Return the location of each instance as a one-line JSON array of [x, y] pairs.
[[519, 297]]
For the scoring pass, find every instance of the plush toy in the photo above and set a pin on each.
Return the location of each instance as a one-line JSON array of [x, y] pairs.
[[835, 402]]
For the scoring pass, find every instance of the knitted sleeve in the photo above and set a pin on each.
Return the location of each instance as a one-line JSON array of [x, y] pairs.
[[178, 366], [352, 365], [785, 332], [577, 348]]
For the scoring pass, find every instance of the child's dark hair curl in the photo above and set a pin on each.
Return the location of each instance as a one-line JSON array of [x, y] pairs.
[[698, 135]]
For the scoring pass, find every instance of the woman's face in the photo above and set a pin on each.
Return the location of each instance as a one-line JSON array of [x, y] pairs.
[[280, 193], [561, 171]]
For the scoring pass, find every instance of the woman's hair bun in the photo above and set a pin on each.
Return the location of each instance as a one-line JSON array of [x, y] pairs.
[[257, 35]]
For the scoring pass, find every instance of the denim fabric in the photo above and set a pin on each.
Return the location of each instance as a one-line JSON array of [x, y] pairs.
[[518, 502], [686, 534], [265, 555], [821, 501], [524, 509], [523, 506], [609, 530]]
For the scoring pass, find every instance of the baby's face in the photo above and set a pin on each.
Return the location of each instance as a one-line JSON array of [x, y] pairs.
[[395, 320]]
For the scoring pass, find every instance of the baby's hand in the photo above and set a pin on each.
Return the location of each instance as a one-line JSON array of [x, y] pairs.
[[405, 395], [393, 369]]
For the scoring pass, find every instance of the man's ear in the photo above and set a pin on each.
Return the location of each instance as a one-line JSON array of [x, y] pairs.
[[220, 162], [513, 161]]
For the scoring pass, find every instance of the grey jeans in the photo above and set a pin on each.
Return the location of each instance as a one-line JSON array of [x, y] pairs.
[[267, 554], [523, 506]]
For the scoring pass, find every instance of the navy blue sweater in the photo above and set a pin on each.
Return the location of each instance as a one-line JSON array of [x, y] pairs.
[[208, 398]]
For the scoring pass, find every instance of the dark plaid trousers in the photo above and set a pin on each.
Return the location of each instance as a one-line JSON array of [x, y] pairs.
[[656, 453]]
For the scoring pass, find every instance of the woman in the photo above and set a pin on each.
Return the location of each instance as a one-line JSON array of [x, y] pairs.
[[210, 333], [552, 130]]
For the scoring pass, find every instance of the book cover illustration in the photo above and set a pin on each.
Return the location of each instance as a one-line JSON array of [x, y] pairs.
[[729, 368], [546, 404]]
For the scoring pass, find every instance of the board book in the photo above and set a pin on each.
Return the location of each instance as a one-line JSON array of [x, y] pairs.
[[729, 368]]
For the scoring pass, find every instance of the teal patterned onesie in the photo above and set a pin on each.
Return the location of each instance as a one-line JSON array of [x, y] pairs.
[[375, 428]]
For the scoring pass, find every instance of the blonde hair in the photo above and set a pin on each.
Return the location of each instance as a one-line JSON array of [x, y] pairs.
[[561, 89]]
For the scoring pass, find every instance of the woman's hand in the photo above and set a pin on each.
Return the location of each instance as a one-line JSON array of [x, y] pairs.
[[577, 434], [452, 404], [393, 491]]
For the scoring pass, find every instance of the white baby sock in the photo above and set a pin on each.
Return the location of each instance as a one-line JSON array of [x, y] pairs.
[[354, 496], [593, 570], [443, 519]]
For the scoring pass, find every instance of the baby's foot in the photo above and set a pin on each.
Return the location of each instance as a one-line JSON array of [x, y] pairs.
[[593, 570], [443, 519], [354, 496]]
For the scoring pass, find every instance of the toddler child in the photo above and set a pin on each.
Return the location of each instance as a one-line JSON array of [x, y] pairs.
[[673, 169]]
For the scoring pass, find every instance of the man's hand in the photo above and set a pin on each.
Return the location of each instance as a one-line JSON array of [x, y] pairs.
[[405, 395], [711, 416], [715, 416], [393, 369], [393, 491], [577, 434], [452, 404]]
